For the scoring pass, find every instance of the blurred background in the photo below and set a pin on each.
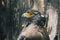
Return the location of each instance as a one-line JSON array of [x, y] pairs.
[[10, 15]]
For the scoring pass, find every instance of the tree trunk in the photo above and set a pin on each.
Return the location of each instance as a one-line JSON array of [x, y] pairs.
[[39, 5], [52, 12]]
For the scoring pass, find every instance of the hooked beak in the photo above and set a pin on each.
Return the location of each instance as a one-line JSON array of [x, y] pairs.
[[27, 15]]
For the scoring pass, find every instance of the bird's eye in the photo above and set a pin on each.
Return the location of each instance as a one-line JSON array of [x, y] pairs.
[[31, 14], [28, 12]]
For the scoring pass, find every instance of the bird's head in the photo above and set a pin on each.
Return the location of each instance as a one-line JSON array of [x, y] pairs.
[[33, 16]]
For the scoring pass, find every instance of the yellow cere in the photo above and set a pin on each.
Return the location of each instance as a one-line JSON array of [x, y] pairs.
[[29, 15]]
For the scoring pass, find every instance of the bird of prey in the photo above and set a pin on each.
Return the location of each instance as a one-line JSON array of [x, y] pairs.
[[33, 16], [33, 26]]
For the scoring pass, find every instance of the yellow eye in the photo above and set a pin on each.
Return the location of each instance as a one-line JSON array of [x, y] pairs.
[[29, 15]]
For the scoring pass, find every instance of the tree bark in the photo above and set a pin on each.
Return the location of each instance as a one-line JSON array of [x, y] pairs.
[[52, 12]]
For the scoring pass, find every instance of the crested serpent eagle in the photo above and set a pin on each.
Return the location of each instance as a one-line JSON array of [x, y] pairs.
[[33, 24]]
